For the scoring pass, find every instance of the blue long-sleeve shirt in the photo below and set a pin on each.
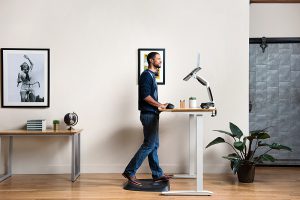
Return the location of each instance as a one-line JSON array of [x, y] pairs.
[[147, 86]]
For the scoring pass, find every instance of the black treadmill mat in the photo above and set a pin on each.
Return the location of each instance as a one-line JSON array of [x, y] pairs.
[[148, 186]]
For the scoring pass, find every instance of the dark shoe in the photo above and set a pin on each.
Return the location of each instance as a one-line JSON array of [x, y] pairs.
[[163, 178], [132, 179]]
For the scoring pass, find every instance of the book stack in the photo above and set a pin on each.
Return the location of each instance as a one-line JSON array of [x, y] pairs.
[[36, 125]]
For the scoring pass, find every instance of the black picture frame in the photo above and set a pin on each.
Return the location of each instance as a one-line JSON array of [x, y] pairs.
[[25, 78], [142, 63]]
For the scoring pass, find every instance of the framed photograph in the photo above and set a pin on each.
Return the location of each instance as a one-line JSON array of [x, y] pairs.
[[25, 77], [143, 64]]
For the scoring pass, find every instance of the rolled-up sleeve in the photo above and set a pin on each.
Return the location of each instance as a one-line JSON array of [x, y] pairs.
[[145, 85]]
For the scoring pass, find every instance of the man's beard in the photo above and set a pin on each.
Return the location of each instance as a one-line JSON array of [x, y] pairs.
[[157, 71], [157, 67]]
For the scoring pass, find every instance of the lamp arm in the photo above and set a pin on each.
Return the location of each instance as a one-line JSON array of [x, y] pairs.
[[209, 93], [206, 83], [201, 80]]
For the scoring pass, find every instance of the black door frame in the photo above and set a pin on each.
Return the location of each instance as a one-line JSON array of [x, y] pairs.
[[275, 40]]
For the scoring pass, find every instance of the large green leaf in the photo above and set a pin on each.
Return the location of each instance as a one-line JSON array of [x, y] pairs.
[[228, 133], [236, 165], [255, 133], [267, 157], [239, 145], [278, 146], [236, 131], [215, 141], [232, 156], [263, 135]]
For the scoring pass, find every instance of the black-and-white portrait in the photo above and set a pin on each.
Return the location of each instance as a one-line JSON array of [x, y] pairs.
[[25, 77]]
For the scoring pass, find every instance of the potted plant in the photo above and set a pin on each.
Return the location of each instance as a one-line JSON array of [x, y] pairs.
[[192, 102], [245, 148], [55, 124]]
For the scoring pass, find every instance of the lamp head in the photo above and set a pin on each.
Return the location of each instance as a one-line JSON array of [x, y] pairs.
[[192, 74]]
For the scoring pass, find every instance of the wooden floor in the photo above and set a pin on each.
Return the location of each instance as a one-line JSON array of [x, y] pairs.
[[270, 184]]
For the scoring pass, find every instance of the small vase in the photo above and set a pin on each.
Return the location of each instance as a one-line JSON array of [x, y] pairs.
[[246, 172], [193, 103]]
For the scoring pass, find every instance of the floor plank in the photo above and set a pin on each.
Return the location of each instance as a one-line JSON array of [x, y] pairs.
[[272, 183]]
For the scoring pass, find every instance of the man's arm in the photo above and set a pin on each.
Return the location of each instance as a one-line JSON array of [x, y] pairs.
[[145, 90], [152, 102], [31, 64], [19, 79]]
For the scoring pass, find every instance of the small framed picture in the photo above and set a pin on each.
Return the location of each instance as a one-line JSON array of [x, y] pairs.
[[25, 77], [143, 64]]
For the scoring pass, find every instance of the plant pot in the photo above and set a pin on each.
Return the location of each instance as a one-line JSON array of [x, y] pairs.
[[246, 173], [55, 127]]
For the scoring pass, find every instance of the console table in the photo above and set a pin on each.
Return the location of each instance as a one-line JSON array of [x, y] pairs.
[[7, 144], [196, 132]]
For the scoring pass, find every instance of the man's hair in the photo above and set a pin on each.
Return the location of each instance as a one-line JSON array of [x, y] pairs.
[[24, 65], [151, 56]]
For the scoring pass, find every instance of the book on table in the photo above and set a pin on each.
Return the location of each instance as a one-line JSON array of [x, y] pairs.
[[36, 125]]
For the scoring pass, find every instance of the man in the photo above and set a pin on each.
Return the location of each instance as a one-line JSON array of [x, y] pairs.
[[149, 116]]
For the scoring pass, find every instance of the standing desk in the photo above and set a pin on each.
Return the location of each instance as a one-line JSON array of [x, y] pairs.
[[9, 134], [196, 132]]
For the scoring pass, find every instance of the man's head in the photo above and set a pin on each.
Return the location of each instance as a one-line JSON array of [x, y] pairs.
[[25, 67], [154, 60]]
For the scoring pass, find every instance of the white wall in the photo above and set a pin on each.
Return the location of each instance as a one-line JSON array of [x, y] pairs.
[[274, 20], [93, 48]]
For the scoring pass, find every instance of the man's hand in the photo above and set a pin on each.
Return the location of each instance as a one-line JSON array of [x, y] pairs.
[[154, 103], [163, 106], [25, 56]]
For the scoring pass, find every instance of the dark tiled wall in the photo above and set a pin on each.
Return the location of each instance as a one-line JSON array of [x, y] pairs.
[[275, 95]]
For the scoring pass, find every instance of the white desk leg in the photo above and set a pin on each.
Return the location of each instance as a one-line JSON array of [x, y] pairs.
[[192, 149], [7, 157], [75, 166], [199, 154]]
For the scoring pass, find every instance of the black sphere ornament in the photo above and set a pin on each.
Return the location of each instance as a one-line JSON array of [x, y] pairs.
[[71, 119]]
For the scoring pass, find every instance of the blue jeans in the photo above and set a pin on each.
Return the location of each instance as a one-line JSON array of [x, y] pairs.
[[148, 148]]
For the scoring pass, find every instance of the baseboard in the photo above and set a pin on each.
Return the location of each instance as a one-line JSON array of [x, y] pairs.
[[118, 168]]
